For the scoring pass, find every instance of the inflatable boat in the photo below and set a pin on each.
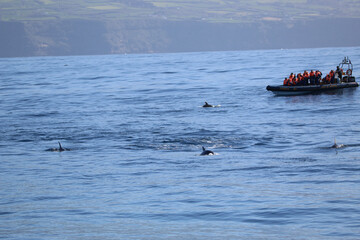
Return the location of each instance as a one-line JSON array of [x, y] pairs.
[[298, 90], [346, 80]]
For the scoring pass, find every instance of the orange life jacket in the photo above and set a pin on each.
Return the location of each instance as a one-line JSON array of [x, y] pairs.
[[328, 78], [286, 82], [300, 77]]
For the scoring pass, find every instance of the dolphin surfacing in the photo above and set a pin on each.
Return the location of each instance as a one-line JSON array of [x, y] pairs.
[[208, 105], [206, 152], [60, 149], [337, 145]]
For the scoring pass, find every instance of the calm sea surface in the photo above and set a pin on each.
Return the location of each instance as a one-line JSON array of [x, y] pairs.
[[135, 127]]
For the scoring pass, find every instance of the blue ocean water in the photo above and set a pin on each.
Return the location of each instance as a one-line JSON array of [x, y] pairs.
[[135, 127]]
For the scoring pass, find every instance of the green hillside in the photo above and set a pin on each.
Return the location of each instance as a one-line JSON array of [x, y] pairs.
[[176, 10]]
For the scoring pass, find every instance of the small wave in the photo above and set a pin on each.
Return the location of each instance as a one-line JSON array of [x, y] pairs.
[[97, 77], [25, 140], [46, 198], [207, 216], [141, 173], [323, 181], [221, 71], [169, 72], [215, 154], [314, 170], [352, 145], [43, 84], [6, 213], [23, 72], [284, 215], [248, 169], [42, 114], [349, 169], [302, 159], [344, 201], [78, 212]]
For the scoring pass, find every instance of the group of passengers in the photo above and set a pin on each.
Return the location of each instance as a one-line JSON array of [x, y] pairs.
[[312, 78]]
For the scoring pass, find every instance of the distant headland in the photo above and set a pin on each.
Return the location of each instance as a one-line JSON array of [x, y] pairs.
[[52, 28]]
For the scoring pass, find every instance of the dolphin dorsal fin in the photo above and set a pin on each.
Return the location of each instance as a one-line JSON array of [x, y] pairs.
[[203, 148], [60, 147]]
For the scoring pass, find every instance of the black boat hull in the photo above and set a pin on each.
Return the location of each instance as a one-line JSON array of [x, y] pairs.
[[298, 90]]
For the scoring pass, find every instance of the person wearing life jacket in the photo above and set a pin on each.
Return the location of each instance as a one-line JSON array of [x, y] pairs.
[[289, 82], [286, 82], [327, 79], [305, 78], [291, 78], [299, 79], [312, 77], [296, 82], [339, 72], [323, 80], [292, 82], [332, 76], [317, 77]]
